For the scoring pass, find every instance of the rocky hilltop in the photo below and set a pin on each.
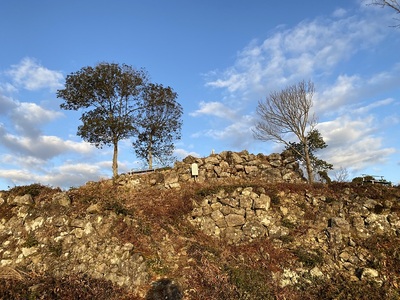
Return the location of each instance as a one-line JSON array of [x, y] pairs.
[[228, 226]]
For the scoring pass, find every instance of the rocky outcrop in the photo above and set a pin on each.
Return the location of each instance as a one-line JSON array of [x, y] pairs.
[[168, 223], [225, 165], [330, 234], [54, 239]]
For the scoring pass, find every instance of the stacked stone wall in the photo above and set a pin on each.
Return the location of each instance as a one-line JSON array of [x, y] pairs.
[[225, 165]]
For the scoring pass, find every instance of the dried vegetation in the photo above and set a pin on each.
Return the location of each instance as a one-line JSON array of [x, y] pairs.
[[204, 268]]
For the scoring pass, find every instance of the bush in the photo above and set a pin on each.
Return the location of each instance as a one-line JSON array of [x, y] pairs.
[[66, 288], [164, 289]]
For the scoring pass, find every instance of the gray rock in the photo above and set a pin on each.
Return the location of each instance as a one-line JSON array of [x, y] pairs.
[[22, 200], [263, 202], [62, 199], [234, 220]]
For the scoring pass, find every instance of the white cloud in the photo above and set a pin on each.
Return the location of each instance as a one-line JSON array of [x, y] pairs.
[[310, 48], [342, 93], [376, 104], [349, 90], [6, 104], [214, 109], [65, 176], [317, 49], [28, 117], [30, 75], [8, 88], [42, 147], [182, 153], [237, 134], [339, 13], [353, 143]]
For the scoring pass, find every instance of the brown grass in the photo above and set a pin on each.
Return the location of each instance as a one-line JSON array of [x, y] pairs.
[[204, 267]]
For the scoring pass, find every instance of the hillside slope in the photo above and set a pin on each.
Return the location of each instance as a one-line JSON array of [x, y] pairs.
[[230, 238]]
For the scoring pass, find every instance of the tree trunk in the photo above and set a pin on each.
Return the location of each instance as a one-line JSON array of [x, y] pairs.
[[115, 160], [150, 159], [150, 153], [308, 164]]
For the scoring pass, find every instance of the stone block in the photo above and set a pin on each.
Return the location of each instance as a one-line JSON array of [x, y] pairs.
[[23, 200], [245, 202], [263, 202], [62, 199], [234, 220]]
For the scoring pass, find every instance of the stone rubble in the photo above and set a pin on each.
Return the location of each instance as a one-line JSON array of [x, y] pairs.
[[329, 232]]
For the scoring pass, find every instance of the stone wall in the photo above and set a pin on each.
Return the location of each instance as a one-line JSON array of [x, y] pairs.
[[238, 216], [54, 239], [335, 231], [225, 165], [330, 230]]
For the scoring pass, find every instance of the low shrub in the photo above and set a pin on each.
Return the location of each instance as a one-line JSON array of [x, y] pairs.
[[66, 288]]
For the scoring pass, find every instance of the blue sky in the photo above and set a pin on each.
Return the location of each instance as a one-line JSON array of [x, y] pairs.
[[221, 57]]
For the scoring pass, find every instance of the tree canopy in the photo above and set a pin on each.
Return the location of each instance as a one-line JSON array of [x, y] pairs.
[[110, 96], [314, 143], [159, 124]]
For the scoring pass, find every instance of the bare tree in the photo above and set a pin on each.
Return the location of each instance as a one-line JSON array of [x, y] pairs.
[[288, 112], [341, 175], [394, 4]]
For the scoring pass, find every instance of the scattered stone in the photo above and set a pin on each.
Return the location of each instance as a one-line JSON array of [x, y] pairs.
[[22, 200], [62, 199]]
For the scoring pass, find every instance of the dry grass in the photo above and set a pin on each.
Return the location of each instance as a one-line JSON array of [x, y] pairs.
[[205, 268]]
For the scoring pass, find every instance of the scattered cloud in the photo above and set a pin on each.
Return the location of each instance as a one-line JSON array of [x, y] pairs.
[[216, 109], [339, 13], [28, 118], [30, 75], [6, 104], [315, 49], [312, 48], [66, 175], [353, 143], [237, 135], [43, 147], [182, 153]]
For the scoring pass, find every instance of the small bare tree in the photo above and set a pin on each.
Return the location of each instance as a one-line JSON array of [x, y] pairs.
[[288, 112], [394, 4], [341, 175]]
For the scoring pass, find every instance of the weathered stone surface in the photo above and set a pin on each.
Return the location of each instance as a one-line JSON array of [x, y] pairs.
[[276, 163], [232, 235], [62, 199], [253, 229], [246, 202], [263, 202], [340, 223], [233, 220], [34, 224], [94, 208], [22, 200], [368, 274], [229, 201], [227, 164], [334, 228], [213, 160], [236, 159], [250, 169], [219, 218], [172, 180]]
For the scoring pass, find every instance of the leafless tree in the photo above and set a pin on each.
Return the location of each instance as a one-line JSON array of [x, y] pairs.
[[341, 175], [394, 4], [288, 112]]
